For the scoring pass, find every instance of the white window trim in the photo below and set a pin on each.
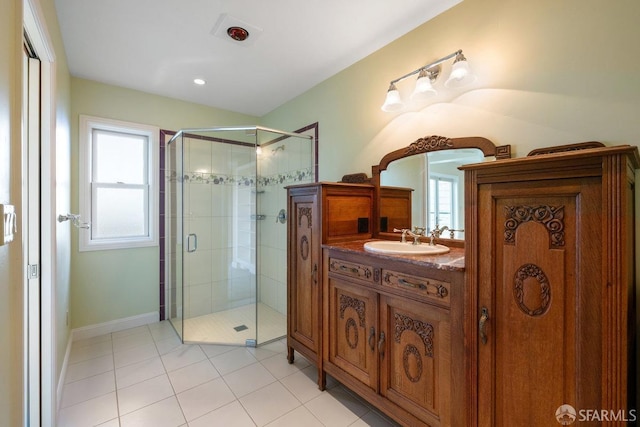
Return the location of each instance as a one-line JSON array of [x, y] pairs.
[[454, 195], [87, 125]]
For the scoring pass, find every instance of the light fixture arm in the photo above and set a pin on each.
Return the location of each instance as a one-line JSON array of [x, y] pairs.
[[426, 67]]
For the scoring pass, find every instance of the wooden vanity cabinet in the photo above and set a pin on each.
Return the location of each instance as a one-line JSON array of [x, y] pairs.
[[318, 213], [551, 287], [393, 334]]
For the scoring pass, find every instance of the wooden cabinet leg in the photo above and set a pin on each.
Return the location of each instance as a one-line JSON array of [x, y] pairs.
[[322, 379], [290, 356]]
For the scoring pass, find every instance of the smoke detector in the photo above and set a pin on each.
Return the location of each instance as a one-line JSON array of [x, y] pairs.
[[235, 30]]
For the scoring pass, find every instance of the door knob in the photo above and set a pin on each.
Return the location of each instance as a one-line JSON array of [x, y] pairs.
[[381, 345], [484, 316], [372, 338]]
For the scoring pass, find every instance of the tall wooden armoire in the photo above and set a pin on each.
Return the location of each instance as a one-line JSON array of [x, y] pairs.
[[551, 285]]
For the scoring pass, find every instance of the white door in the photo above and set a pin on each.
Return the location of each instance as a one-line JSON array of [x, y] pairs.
[[31, 230]]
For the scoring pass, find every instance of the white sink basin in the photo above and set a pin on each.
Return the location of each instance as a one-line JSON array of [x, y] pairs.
[[391, 247]]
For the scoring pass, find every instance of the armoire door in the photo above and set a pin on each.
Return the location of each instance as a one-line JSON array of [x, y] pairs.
[[540, 288], [304, 286]]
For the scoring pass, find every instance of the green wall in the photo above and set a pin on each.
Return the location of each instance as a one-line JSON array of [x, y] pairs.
[[549, 72], [115, 284]]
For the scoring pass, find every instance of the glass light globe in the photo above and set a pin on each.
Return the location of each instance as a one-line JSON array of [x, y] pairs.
[[460, 74], [392, 102], [423, 88]]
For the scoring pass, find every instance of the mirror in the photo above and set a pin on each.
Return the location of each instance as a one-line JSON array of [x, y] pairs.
[[434, 187], [421, 185]]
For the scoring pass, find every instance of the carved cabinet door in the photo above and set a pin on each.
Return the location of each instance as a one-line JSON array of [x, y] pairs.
[[353, 321], [304, 287], [416, 358], [538, 314]]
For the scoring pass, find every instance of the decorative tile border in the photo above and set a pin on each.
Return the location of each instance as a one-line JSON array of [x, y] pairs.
[[300, 175]]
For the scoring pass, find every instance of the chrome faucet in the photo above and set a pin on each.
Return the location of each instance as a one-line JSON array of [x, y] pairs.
[[437, 232], [416, 234], [404, 231]]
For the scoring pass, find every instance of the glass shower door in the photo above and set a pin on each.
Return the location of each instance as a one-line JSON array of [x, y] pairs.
[[216, 226]]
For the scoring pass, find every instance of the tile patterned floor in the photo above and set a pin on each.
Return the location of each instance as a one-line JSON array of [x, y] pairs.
[[145, 377]]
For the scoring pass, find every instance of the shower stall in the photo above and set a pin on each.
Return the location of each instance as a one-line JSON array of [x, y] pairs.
[[225, 260]]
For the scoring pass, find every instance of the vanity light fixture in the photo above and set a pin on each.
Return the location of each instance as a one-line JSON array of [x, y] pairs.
[[460, 76], [199, 82]]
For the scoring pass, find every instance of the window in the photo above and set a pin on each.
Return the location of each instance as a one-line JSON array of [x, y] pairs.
[[118, 184], [442, 201]]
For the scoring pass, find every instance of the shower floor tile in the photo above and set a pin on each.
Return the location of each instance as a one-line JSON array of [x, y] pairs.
[[235, 326]]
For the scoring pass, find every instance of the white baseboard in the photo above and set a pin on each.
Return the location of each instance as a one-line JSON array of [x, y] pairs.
[[114, 326]]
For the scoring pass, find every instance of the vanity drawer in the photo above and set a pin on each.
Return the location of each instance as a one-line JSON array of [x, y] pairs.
[[351, 269], [432, 289]]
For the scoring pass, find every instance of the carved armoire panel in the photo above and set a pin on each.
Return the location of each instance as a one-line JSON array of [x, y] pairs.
[[535, 298]]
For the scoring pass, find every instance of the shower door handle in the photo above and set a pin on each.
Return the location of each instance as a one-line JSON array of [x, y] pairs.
[[195, 242]]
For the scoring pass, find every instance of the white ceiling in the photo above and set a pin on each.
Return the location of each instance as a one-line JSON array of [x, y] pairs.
[[160, 46]]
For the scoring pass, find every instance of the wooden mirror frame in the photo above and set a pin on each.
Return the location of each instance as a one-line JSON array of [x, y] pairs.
[[425, 145]]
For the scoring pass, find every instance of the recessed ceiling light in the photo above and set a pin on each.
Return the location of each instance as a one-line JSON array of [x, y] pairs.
[[199, 82]]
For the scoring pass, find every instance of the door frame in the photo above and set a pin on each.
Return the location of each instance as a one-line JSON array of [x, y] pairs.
[[35, 27]]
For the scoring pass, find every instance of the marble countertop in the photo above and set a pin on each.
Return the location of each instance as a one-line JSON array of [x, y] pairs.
[[452, 261]]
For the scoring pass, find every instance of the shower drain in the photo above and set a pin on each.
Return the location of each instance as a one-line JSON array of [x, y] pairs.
[[241, 328]]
